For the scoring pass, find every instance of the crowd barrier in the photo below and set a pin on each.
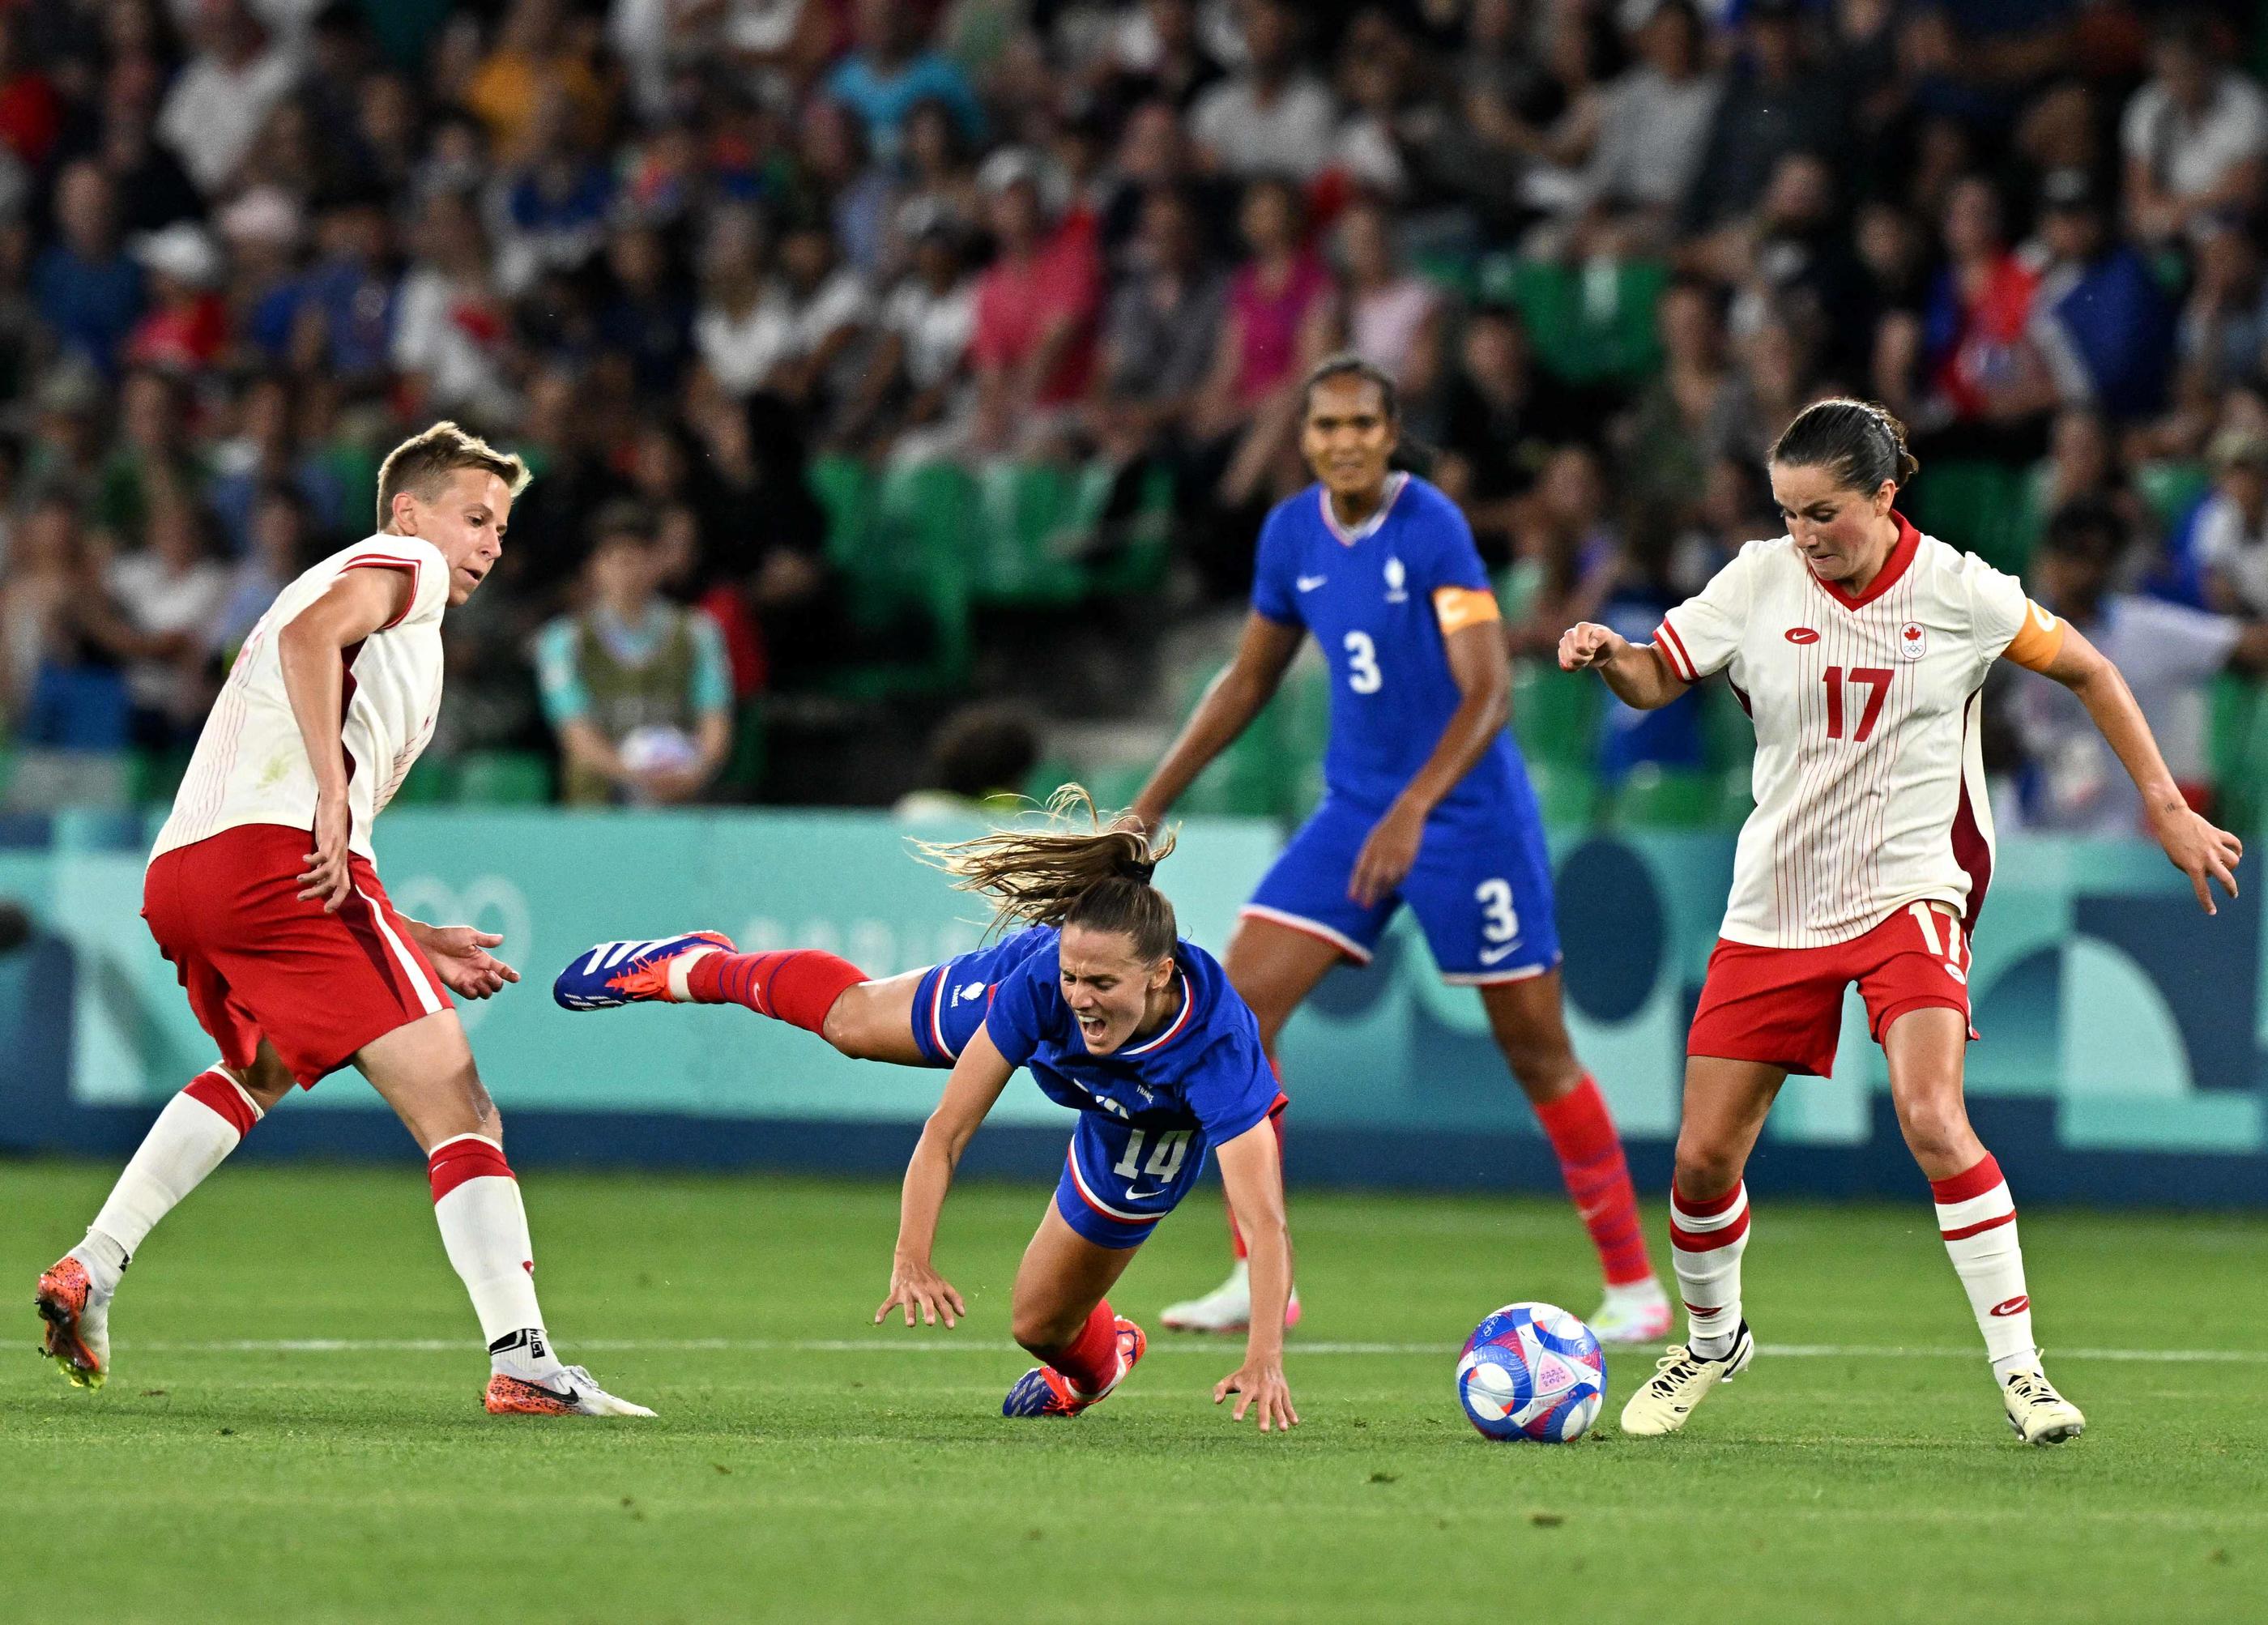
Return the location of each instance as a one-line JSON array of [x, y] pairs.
[[2124, 1059]]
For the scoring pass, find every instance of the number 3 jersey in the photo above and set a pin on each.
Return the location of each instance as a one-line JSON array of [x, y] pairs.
[[1204, 1070], [1868, 782], [1382, 598]]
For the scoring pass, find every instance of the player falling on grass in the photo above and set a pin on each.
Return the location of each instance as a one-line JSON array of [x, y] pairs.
[[1115, 1017], [1426, 801], [1859, 647], [294, 961]]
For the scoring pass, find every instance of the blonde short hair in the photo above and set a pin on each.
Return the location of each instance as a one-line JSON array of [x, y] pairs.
[[420, 463]]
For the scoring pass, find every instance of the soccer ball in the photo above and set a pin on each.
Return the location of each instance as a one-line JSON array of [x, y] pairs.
[[1532, 1370]]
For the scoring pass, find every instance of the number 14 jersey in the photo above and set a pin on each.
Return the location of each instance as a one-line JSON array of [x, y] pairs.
[[1869, 783]]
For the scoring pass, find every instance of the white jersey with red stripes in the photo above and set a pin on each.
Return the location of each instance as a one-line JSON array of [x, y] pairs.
[[251, 766], [1868, 782]]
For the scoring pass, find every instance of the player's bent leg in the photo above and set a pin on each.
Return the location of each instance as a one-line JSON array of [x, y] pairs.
[[1726, 1102], [1975, 1214], [1060, 1313], [192, 1136], [1528, 1021], [1273, 966], [426, 1071], [873, 1020]]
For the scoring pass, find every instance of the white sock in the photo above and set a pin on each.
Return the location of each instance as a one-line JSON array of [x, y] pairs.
[[1706, 1239], [484, 1228], [192, 1136], [1636, 1294], [1977, 1218], [681, 989]]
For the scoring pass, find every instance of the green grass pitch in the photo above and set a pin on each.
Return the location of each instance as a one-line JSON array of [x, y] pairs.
[[293, 1433]]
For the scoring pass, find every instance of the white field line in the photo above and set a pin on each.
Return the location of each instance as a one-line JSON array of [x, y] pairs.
[[883, 1342]]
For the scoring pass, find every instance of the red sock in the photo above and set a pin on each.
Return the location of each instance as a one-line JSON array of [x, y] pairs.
[[1598, 1179], [795, 985], [1090, 1359], [1276, 1120]]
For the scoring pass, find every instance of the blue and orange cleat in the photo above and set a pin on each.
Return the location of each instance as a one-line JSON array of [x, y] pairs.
[[77, 1323], [1044, 1391], [612, 974]]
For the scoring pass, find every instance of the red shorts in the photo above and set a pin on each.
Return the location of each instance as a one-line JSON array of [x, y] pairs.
[[259, 963], [1784, 1006]]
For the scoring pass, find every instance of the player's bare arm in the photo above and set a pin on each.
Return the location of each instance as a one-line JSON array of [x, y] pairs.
[[1252, 1173], [311, 650], [1231, 701], [1638, 673], [977, 1079], [1482, 670], [461, 959], [2193, 844]]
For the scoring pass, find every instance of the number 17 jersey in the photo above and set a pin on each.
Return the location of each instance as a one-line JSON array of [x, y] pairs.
[[1869, 781]]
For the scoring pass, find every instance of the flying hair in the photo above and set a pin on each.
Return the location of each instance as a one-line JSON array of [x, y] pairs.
[[1063, 874]]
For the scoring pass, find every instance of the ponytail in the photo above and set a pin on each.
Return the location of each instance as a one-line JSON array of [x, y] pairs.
[[1062, 875]]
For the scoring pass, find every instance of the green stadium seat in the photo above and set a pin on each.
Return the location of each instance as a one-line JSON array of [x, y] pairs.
[[1590, 325], [152, 776], [1145, 545], [2171, 490], [1032, 519], [503, 778], [1652, 797], [2239, 752], [1567, 793], [846, 489], [1977, 506], [432, 780], [1555, 713]]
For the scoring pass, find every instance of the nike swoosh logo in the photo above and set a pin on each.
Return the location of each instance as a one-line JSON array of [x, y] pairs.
[[1143, 1196], [1489, 956], [1308, 584]]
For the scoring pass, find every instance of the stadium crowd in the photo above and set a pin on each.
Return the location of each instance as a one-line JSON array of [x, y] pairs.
[[741, 276]]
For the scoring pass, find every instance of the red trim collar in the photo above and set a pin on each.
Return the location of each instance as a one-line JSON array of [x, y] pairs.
[[1902, 555], [1173, 1030]]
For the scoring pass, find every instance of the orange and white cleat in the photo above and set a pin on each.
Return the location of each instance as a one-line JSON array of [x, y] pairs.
[[78, 1316], [612, 974], [571, 1390], [1044, 1391]]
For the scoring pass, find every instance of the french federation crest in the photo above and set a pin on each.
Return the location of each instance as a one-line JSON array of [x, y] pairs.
[[1912, 642], [1396, 576]]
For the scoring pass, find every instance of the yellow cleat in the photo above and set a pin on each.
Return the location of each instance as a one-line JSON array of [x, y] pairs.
[[1680, 1380], [2039, 1415]]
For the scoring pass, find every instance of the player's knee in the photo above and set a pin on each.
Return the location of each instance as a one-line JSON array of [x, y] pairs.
[[1703, 1170], [1935, 1128], [1038, 1329], [1544, 1065], [849, 1022]]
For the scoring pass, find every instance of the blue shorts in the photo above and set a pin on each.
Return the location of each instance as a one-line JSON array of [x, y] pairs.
[[951, 999], [1121, 1179], [1481, 890]]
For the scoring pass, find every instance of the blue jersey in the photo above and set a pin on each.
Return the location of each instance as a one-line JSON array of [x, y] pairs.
[[1205, 1071], [1374, 596]]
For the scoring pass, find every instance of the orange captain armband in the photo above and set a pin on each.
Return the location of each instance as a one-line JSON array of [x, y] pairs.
[[2037, 642], [1458, 608]]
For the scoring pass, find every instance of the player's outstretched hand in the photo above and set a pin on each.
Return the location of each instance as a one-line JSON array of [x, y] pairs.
[[461, 959], [2201, 851], [1588, 643], [917, 1286], [327, 878], [1259, 1388]]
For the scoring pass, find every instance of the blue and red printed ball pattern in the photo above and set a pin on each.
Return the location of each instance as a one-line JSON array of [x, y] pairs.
[[1532, 1372]]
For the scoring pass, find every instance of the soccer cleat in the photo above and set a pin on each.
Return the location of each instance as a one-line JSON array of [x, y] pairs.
[[612, 974], [1680, 1380], [1639, 1313], [1226, 1308], [78, 1316], [2039, 1415], [1044, 1391], [571, 1390]]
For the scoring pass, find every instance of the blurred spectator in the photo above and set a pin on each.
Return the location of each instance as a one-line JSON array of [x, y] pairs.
[[224, 93], [916, 387], [647, 315], [2166, 653], [1567, 556], [283, 543], [1159, 55], [1394, 316], [1654, 122], [538, 76], [168, 594], [1648, 582], [1678, 427], [2100, 321], [1974, 362], [343, 310], [450, 326], [636, 688], [1503, 416], [1160, 339], [1776, 100], [981, 758], [186, 324], [154, 461], [1272, 117], [265, 454], [2232, 528], [891, 70], [87, 289], [1283, 317], [2195, 135], [2224, 328], [1036, 305]]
